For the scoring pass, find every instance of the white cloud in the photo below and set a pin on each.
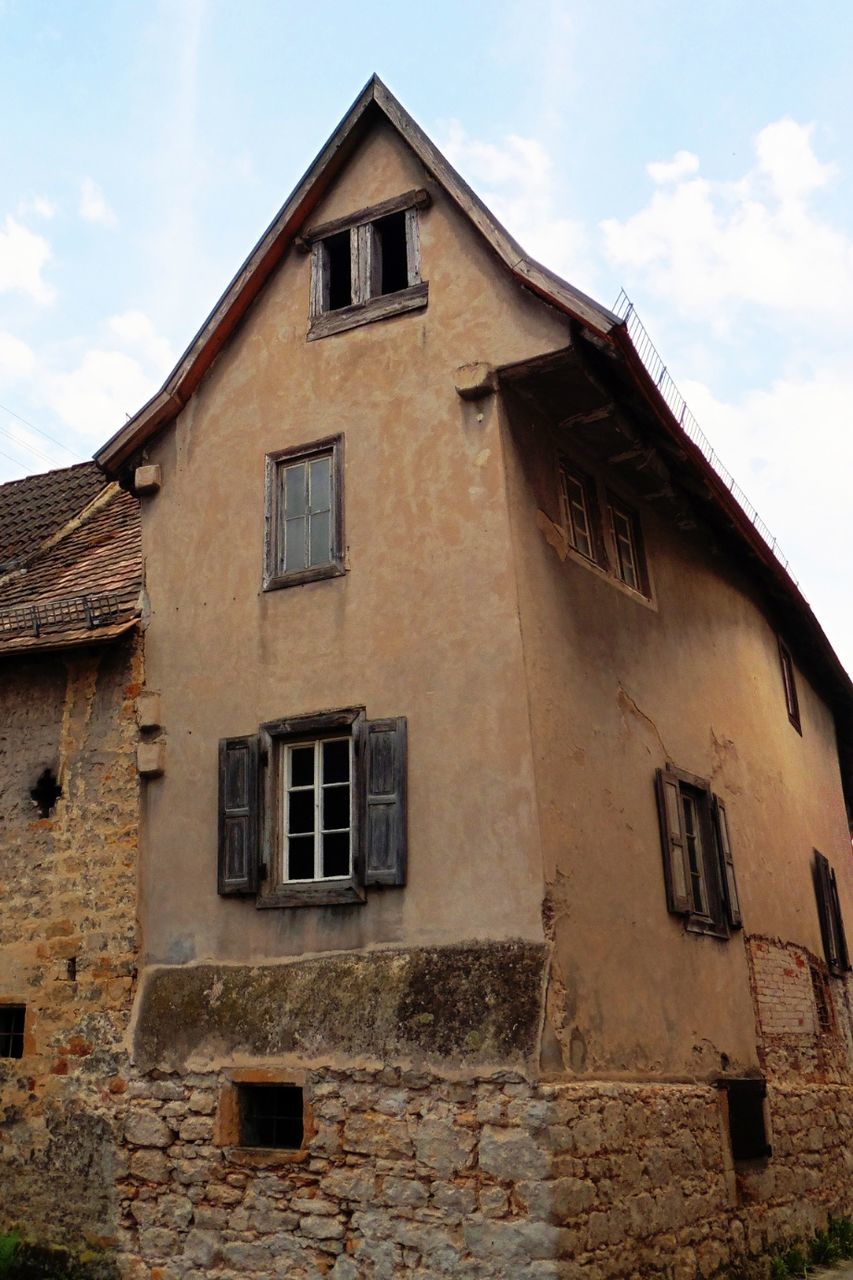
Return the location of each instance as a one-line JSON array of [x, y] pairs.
[[136, 330], [516, 180], [710, 248], [682, 164], [23, 256], [39, 205], [93, 206], [17, 360]]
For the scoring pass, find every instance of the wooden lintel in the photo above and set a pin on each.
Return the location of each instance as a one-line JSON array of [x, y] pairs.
[[419, 198]]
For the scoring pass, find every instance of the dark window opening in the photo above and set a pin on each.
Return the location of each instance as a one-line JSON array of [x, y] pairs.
[[747, 1123], [391, 245], [271, 1115], [12, 1030], [338, 271], [829, 912], [45, 793], [822, 999], [792, 701]]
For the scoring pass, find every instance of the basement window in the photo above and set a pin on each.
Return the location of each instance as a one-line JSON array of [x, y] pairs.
[[271, 1115], [367, 266], [45, 793], [12, 1018], [747, 1119]]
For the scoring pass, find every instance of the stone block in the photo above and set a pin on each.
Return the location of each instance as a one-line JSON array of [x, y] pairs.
[[145, 1129], [511, 1155], [441, 1146], [147, 479]]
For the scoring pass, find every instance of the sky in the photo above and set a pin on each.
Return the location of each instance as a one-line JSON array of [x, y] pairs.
[[698, 156]]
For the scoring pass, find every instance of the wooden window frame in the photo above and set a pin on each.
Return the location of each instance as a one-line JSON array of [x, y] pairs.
[[789, 684], [275, 737], [830, 917], [368, 302], [592, 512], [227, 1132], [714, 871], [275, 464], [616, 505], [599, 501]]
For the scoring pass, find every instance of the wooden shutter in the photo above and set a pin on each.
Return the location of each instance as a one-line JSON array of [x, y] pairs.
[[829, 911], [319, 279], [727, 868], [672, 840], [238, 815], [385, 802]]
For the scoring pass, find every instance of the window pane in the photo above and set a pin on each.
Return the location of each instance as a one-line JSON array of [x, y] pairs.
[[335, 808], [301, 811], [320, 484], [294, 544], [336, 854], [321, 541], [336, 760], [300, 858], [294, 490], [302, 766]]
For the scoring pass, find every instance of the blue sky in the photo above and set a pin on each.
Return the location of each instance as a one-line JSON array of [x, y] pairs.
[[698, 155]]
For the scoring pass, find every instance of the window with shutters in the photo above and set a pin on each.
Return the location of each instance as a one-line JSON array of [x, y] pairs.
[[304, 514], [313, 809], [366, 266], [789, 684], [829, 913], [699, 869]]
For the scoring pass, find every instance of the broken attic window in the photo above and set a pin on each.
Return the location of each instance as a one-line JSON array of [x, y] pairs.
[[391, 246], [271, 1115], [45, 793], [12, 1030], [338, 273]]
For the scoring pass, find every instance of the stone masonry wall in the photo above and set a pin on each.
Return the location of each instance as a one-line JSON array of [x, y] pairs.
[[67, 932], [410, 1175]]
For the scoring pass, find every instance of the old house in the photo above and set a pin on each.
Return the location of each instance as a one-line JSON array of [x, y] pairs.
[[494, 860], [70, 669]]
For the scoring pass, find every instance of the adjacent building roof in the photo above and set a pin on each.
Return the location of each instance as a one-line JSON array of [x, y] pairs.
[[70, 560]]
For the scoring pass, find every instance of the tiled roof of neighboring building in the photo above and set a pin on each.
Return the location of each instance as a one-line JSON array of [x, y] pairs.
[[37, 506], [76, 575]]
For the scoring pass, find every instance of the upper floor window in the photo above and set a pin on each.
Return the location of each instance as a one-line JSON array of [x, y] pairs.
[[627, 542], [580, 511], [789, 682], [615, 546], [829, 911], [698, 865], [304, 514], [366, 266]]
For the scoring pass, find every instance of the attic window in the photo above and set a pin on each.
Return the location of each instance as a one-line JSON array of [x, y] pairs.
[[366, 266]]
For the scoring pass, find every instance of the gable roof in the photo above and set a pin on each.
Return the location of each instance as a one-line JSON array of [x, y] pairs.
[[37, 506], [374, 102], [77, 576]]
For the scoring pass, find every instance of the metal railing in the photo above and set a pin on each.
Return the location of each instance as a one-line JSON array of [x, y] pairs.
[[88, 611], [657, 370]]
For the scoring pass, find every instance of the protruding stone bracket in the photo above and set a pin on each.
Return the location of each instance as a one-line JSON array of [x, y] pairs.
[[151, 759], [147, 479], [148, 713], [475, 381]]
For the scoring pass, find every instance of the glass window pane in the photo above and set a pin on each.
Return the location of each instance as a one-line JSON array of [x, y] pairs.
[[336, 855], [302, 766], [320, 485], [321, 544], [300, 858], [335, 808], [294, 490], [336, 760], [300, 811], [294, 544]]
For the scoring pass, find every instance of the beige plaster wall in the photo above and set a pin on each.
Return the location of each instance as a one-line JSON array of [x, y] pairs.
[[617, 687], [424, 624]]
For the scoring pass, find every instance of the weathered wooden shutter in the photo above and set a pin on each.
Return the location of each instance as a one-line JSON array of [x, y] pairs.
[[727, 868], [672, 840], [829, 911], [239, 825], [385, 801]]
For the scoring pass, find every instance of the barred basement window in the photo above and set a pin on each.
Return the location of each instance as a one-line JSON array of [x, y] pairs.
[[271, 1115], [12, 1017], [747, 1119]]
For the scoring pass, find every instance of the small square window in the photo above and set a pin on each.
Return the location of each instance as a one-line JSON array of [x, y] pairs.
[[271, 1115], [304, 514], [12, 1017], [747, 1119], [789, 683]]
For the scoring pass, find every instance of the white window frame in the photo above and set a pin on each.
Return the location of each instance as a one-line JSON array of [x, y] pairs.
[[318, 786]]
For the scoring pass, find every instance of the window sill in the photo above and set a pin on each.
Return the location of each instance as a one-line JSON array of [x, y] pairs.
[[577, 557], [264, 1157], [298, 579], [313, 895], [709, 930], [390, 304]]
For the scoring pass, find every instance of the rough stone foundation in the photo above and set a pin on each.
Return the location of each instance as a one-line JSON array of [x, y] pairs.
[[412, 1175]]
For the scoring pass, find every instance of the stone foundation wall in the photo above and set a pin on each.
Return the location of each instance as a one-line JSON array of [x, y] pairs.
[[67, 933], [410, 1175]]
